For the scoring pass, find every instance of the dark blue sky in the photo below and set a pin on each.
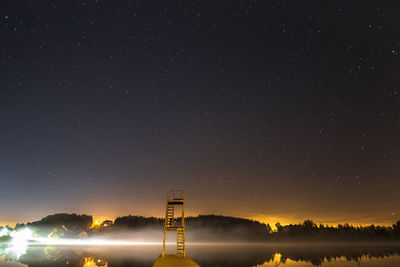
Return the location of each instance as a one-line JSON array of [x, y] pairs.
[[277, 110]]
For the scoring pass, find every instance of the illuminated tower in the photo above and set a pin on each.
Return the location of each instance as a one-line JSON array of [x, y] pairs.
[[175, 199]]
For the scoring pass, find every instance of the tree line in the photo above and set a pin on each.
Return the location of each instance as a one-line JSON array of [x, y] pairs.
[[308, 230], [218, 227]]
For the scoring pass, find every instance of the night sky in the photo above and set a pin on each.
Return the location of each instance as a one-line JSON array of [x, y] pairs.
[[270, 110]]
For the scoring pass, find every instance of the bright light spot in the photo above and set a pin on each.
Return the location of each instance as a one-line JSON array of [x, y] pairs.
[[4, 232], [95, 224], [91, 262], [20, 241]]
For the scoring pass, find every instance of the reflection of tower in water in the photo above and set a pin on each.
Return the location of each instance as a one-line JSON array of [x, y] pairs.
[[175, 200]]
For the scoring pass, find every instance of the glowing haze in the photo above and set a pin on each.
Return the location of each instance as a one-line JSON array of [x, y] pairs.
[[263, 110]]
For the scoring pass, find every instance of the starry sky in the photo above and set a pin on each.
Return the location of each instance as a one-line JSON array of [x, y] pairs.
[[270, 110]]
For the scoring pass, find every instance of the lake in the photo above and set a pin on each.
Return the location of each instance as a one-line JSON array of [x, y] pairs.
[[207, 255]]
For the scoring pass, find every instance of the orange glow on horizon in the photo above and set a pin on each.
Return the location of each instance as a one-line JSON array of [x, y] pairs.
[[287, 221]]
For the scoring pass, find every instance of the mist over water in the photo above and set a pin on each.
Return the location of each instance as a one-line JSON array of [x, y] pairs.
[[237, 234], [206, 246], [214, 254]]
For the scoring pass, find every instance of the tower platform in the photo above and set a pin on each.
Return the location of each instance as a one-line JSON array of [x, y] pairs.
[[174, 261]]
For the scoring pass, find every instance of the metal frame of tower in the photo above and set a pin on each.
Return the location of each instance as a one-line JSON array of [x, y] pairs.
[[175, 198]]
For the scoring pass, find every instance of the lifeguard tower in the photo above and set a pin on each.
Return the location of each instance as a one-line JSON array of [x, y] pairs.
[[175, 198], [175, 201]]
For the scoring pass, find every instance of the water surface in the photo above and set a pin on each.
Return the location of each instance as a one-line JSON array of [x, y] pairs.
[[210, 255]]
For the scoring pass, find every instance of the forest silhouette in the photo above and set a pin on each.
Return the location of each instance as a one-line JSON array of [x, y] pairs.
[[216, 228]]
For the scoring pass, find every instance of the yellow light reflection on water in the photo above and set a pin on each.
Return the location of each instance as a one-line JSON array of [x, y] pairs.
[[91, 262], [365, 261]]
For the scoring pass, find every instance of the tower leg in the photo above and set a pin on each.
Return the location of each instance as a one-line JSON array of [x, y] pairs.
[[163, 248]]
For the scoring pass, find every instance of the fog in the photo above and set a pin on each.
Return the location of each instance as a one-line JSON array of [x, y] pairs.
[[207, 246], [214, 254], [153, 235]]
